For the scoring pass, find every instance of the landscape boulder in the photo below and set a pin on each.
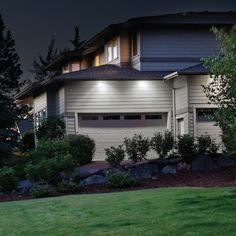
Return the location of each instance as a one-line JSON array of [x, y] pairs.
[[93, 179], [169, 169], [203, 163], [24, 186], [145, 171], [223, 161]]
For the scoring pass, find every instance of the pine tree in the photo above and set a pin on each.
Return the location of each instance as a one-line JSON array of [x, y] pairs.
[[10, 82], [77, 42], [39, 65]]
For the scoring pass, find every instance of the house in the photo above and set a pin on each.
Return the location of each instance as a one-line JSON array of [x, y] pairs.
[[141, 76]]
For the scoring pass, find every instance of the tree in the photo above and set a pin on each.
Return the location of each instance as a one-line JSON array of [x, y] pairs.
[[221, 91], [39, 65], [76, 41], [10, 81]]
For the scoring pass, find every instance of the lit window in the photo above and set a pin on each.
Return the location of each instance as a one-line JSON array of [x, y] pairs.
[[134, 45], [112, 50], [66, 68], [75, 66], [97, 60], [40, 117]]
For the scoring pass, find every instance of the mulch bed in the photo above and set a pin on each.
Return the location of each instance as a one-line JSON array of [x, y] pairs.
[[221, 177]]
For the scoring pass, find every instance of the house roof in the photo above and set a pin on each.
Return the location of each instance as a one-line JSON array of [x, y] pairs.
[[198, 69], [103, 72], [110, 72], [185, 18]]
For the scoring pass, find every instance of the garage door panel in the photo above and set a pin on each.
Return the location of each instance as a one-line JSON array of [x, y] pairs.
[[106, 136]]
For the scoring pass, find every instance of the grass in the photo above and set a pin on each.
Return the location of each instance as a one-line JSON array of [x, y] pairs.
[[164, 211]]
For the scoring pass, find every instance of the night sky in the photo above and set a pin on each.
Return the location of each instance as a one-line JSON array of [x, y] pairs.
[[34, 22]]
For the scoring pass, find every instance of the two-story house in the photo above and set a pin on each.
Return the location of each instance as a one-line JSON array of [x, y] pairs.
[[140, 76]]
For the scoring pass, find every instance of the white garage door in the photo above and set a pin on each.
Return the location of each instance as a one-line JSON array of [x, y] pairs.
[[111, 129], [205, 125]]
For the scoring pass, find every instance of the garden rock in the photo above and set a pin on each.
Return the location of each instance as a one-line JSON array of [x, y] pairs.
[[203, 163], [93, 179], [24, 186], [86, 171], [223, 161], [183, 167], [145, 171], [169, 169]]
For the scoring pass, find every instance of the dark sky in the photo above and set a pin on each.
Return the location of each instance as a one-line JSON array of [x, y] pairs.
[[34, 22]]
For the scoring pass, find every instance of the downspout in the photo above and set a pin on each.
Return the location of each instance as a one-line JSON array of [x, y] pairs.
[[174, 113]]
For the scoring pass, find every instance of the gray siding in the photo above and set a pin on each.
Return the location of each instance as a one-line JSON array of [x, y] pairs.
[[185, 45], [40, 102], [117, 96]]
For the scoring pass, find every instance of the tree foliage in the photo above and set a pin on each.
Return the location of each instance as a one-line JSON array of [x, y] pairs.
[[77, 42], [221, 91], [10, 82], [39, 65]]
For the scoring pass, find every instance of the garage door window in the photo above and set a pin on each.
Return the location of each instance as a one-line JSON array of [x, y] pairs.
[[121, 120], [132, 117], [89, 117], [111, 117], [205, 115], [153, 117]]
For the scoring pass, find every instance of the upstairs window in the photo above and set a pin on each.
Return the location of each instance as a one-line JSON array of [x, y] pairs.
[[112, 50], [97, 60], [134, 45], [66, 68], [75, 66]]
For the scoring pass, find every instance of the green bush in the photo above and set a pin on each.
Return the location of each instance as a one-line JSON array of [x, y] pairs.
[[50, 148], [68, 187], [137, 147], [206, 145], [8, 180], [115, 156], [186, 147], [51, 128], [51, 169], [28, 141], [18, 162], [40, 191], [119, 179], [162, 144], [81, 147]]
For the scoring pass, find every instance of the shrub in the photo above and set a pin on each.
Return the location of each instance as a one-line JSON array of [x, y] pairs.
[[81, 147], [50, 148], [206, 145], [51, 169], [186, 147], [40, 191], [162, 144], [28, 141], [75, 177], [68, 187], [8, 180], [137, 147], [18, 162], [51, 128], [115, 156], [118, 179]]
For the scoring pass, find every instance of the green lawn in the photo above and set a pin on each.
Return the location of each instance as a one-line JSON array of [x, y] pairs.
[[164, 211]]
